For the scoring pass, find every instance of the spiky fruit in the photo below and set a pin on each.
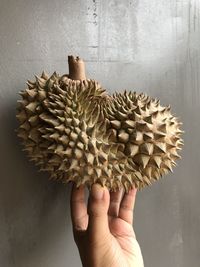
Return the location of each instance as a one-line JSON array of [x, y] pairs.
[[77, 132]]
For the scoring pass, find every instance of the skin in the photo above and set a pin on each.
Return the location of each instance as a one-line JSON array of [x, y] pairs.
[[103, 229]]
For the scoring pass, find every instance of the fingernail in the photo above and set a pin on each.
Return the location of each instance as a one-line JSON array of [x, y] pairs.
[[97, 191]]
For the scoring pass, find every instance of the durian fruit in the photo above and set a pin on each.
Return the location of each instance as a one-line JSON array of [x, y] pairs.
[[72, 128]]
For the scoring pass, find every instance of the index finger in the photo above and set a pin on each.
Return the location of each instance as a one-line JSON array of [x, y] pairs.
[[78, 206]]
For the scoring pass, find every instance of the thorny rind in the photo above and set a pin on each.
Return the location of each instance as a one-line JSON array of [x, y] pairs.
[[77, 132]]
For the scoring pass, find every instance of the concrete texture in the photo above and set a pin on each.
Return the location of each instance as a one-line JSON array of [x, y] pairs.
[[150, 46]]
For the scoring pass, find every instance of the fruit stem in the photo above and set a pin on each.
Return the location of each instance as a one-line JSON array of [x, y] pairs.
[[76, 68]]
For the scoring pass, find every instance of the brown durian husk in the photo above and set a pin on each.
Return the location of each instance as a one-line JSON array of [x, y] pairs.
[[73, 129]]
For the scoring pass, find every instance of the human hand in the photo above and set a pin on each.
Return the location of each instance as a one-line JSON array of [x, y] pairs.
[[103, 229]]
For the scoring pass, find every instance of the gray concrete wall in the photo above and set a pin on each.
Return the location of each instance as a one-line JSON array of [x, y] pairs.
[[151, 46]]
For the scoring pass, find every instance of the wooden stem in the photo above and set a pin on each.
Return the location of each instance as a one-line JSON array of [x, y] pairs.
[[76, 68]]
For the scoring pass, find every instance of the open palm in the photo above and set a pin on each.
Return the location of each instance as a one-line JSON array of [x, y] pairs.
[[103, 229]]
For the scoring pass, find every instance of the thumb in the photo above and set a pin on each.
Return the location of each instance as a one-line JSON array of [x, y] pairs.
[[98, 205]]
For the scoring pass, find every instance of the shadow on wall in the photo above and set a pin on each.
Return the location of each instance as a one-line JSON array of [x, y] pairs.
[[33, 207]]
